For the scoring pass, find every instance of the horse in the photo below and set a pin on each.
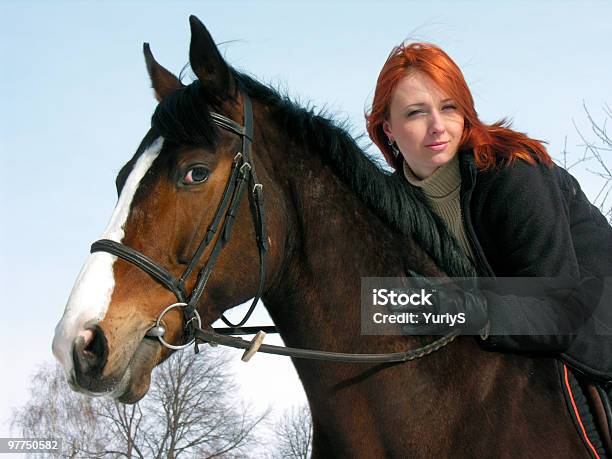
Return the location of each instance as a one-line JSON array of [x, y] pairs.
[[332, 217]]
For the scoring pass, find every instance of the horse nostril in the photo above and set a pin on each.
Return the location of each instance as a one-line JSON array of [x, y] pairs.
[[90, 352]]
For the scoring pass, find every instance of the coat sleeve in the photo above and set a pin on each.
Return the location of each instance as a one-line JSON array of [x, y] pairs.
[[521, 219]]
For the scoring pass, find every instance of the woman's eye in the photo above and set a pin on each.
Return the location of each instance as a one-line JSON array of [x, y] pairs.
[[414, 112], [449, 107], [196, 174]]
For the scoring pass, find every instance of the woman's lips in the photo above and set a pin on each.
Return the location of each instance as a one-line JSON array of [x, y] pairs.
[[437, 146]]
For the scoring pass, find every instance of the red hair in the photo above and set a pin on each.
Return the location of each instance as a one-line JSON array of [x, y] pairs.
[[489, 143]]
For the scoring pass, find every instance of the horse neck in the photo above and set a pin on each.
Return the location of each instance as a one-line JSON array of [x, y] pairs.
[[333, 240]]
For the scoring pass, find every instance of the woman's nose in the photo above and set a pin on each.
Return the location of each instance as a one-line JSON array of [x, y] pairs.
[[436, 125]]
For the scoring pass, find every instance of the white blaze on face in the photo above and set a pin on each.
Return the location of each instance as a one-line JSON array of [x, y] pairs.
[[94, 286]]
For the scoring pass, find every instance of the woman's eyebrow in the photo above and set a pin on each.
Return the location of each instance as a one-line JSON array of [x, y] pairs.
[[416, 104], [423, 104]]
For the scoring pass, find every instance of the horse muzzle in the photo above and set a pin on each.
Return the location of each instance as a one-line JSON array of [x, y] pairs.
[[128, 381]]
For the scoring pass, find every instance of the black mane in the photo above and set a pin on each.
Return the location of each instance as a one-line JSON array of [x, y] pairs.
[[183, 117]]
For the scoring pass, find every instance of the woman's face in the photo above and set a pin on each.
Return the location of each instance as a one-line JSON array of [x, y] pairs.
[[425, 123]]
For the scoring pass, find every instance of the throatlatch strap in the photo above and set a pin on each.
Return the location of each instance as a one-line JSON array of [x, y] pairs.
[[256, 203], [261, 237]]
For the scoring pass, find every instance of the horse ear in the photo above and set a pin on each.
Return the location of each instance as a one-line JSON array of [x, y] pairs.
[[162, 80], [207, 62]]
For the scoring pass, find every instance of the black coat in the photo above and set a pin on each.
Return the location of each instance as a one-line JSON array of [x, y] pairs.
[[526, 220]]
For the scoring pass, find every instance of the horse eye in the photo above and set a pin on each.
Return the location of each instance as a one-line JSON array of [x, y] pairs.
[[196, 174]]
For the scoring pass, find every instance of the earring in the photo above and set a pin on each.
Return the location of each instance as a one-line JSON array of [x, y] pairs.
[[393, 146]]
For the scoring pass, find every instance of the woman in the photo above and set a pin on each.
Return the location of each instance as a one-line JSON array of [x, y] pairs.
[[509, 207]]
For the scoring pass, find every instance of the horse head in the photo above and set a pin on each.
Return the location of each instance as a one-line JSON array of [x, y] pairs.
[[179, 189]]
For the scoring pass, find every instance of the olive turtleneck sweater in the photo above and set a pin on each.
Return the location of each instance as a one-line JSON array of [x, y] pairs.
[[442, 191]]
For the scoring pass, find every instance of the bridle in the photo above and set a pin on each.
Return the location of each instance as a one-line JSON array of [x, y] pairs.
[[242, 175]]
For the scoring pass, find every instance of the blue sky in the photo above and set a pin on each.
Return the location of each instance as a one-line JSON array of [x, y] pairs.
[[76, 101]]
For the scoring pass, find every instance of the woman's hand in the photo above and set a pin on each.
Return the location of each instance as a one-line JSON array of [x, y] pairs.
[[451, 308]]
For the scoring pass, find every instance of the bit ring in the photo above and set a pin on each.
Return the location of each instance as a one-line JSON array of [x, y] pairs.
[[158, 324]]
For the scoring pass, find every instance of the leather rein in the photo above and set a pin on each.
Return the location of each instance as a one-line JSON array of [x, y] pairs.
[[242, 174]]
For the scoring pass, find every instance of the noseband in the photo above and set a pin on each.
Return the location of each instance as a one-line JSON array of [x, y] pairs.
[[242, 174]]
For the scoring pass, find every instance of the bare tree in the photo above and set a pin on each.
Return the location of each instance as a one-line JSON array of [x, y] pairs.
[[596, 153], [294, 430], [54, 411], [188, 412], [192, 411]]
